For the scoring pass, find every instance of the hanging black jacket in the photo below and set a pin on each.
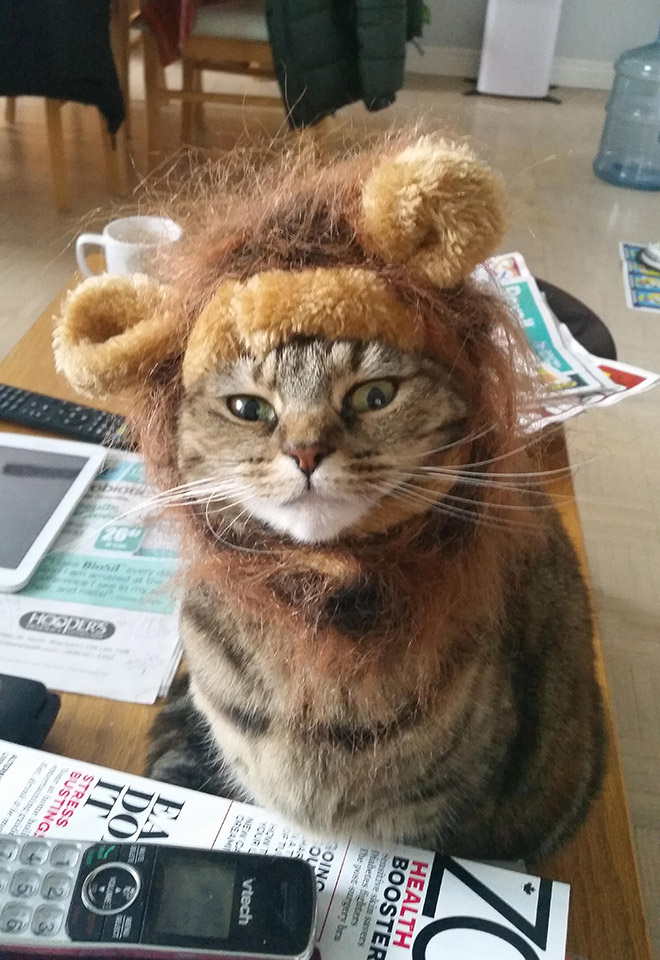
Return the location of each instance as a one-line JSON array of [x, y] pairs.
[[60, 49], [328, 53]]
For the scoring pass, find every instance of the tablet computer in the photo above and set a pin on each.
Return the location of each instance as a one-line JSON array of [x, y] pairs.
[[41, 481]]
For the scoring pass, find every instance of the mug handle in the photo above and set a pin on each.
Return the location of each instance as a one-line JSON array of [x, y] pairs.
[[82, 242]]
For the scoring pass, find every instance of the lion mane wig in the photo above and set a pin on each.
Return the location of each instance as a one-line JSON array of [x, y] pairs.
[[381, 244]]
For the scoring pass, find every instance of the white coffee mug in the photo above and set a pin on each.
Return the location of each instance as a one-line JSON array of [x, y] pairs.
[[129, 244]]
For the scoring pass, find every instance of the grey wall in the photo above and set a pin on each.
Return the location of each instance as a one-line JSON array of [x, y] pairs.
[[588, 30]]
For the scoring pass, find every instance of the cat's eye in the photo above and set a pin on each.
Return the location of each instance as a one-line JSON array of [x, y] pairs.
[[373, 395], [251, 408]]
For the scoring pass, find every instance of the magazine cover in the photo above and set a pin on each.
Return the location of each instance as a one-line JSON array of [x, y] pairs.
[[375, 903]]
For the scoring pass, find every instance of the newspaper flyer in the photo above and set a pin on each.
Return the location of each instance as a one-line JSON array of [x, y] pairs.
[[387, 903], [641, 283], [559, 370], [576, 380], [99, 616], [623, 378]]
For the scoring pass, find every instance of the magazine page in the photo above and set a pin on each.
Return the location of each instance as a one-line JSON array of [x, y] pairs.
[[375, 903]]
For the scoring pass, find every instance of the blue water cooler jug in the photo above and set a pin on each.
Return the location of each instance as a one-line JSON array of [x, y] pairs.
[[629, 153]]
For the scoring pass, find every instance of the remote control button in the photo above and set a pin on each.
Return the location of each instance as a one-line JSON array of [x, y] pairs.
[[111, 888], [8, 850], [56, 886], [4, 879], [15, 918], [35, 853], [24, 884], [64, 855], [47, 921]]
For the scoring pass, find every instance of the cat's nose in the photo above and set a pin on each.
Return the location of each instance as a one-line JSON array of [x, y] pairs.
[[308, 456]]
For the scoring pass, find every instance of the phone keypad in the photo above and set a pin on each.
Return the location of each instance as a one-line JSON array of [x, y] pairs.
[[56, 886], [15, 918], [47, 921], [65, 855], [36, 883], [34, 853], [8, 849], [24, 884]]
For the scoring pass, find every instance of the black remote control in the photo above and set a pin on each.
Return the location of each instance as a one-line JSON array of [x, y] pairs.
[[87, 424]]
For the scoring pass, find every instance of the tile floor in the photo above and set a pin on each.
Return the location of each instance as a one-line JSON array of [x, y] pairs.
[[568, 224]]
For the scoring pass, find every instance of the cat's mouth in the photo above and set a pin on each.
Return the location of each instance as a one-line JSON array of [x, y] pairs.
[[309, 495], [311, 515]]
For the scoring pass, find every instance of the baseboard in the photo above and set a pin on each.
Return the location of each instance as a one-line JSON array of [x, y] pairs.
[[464, 62], [443, 61], [595, 74]]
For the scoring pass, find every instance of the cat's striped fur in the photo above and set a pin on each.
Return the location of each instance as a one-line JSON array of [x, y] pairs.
[[491, 746]]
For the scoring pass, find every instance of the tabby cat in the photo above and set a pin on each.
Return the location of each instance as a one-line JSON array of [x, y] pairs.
[[386, 630], [496, 757]]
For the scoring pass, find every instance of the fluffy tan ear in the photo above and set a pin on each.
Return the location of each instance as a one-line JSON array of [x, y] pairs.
[[435, 207], [113, 331]]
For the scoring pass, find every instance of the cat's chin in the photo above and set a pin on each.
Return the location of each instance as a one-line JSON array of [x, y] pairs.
[[311, 519]]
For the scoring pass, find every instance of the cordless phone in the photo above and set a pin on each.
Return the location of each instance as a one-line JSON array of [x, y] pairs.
[[61, 898]]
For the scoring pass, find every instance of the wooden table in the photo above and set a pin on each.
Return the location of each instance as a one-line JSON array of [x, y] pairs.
[[607, 921]]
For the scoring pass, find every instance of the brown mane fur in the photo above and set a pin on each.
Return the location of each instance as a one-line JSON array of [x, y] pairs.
[[450, 570]]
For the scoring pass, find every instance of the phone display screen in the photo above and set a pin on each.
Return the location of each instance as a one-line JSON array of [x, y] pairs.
[[32, 485], [196, 897]]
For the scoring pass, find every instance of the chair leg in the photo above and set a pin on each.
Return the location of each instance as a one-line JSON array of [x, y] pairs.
[[116, 158], [55, 139], [119, 38], [188, 86], [198, 108], [154, 82], [10, 109]]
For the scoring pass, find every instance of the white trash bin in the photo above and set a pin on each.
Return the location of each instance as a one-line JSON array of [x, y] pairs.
[[518, 47]]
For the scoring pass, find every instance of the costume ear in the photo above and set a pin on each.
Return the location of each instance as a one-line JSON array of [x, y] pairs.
[[114, 330], [434, 207]]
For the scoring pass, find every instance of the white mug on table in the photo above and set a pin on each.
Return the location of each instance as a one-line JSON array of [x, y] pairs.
[[128, 244]]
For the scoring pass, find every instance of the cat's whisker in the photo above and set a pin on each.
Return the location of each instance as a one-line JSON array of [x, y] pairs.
[[542, 475], [174, 496], [470, 438], [457, 499], [458, 479], [531, 486], [568, 470], [461, 479], [503, 456], [476, 516], [242, 548], [241, 498]]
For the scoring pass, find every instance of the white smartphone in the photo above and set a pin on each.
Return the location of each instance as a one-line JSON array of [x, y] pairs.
[[41, 481]]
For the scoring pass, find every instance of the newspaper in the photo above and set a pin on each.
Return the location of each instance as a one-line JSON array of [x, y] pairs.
[[574, 380], [641, 282], [99, 616], [375, 903]]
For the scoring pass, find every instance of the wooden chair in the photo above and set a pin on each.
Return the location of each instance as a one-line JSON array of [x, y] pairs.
[[114, 150], [230, 37]]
